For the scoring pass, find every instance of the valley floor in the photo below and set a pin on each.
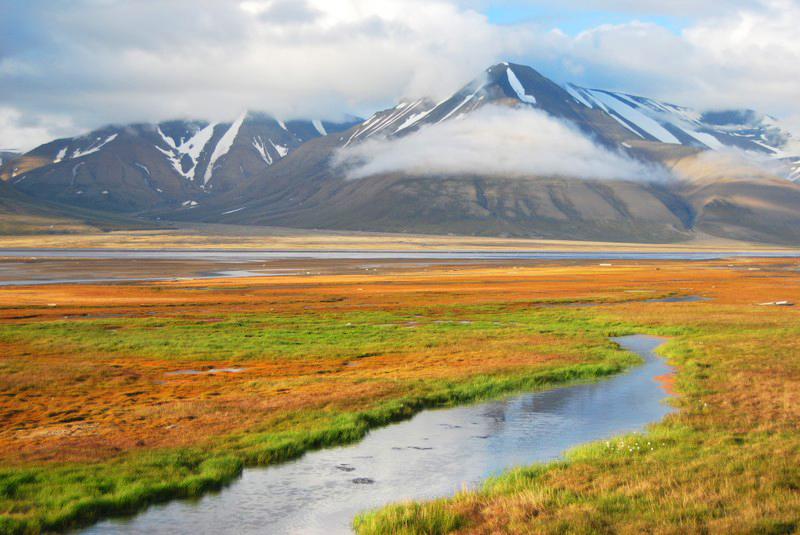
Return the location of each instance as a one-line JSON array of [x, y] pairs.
[[230, 237], [115, 396]]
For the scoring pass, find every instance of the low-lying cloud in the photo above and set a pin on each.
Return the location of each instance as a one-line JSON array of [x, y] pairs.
[[496, 141]]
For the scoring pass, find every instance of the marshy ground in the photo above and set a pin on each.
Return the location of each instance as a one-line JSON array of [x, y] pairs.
[[95, 421]]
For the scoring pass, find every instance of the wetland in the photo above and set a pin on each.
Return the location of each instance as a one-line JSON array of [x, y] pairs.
[[96, 424]]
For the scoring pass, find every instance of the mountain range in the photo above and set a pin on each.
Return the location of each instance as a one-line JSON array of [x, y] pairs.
[[258, 170], [143, 166]]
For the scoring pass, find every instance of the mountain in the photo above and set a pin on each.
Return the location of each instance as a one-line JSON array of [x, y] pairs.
[[501, 84], [7, 156], [143, 166], [257, 170], [22, 214], [306, 190], [652, 120]]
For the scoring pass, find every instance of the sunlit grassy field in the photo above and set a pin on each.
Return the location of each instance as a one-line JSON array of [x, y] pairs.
[[95, 423], [727, 462]]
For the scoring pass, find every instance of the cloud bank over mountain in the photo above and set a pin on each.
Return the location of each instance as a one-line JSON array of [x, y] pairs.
[[81, 63], [496, 141]]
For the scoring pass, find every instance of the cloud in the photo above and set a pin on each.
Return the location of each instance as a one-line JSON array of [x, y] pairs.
[[120, 61], [738, 57], [102, 61], [21, 132], [682, 8], [496, 141]]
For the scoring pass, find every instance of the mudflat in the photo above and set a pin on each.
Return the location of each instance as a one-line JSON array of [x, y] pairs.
[[170, 235]]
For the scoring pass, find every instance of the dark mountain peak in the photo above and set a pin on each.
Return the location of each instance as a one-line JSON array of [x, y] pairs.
[[732, 117], [500, 69], [520, 81], [8, 156]]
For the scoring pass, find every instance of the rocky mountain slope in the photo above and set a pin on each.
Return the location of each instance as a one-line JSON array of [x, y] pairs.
[[308, 190], [22, 214], [144, 166], [7, 156]]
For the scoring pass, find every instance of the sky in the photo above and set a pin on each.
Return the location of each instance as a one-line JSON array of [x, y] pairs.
[[68, 66]]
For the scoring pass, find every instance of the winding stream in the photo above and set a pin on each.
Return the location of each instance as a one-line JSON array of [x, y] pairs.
[[431, 455]]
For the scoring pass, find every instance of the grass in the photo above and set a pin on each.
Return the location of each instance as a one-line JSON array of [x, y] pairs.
[[88, 491], [94, 428], [727, 462]]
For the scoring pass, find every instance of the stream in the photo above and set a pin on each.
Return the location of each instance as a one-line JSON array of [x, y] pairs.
[[433, 454]]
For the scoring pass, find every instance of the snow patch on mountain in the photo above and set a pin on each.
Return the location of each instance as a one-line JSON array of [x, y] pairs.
[[75, 174], [414, 119], [94, 147], [194, 146], [282, 151], [393, 120], [516, 85], [61, 154], [461, 105], [168, 140], [234, 210], [223, 146], [577, 93], [261, 147], [175, 160], [318, 126], [630, 115], [143, 168]]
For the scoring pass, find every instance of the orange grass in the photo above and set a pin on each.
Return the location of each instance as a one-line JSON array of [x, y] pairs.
[[60, 403], [75, 398]]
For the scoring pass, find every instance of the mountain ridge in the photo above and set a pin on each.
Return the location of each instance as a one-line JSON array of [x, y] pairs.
[[139, 166], [254, 176], [304, 190]]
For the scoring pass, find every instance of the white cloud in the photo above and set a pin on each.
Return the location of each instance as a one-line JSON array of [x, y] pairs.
[[18, 132], [148, 60], [101, 61], [498, 141], [683, 8], [741, 58]]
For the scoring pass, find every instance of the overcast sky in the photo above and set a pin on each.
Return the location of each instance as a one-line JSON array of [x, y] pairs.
[[67, 66]]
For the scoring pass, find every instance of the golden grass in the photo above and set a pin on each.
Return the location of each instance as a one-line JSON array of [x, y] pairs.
[[727, 462], [209, 236], [82, 376]]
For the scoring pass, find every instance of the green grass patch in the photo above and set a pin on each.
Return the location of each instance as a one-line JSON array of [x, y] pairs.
[[57, 497], [728, 462]]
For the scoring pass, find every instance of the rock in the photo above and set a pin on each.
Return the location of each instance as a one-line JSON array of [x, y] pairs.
[[345, 468]]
